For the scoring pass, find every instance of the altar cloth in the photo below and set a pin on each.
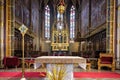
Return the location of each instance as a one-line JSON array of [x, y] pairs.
[[60, 60]]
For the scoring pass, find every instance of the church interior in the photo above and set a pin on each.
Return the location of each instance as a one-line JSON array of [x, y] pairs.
[[87, 29]]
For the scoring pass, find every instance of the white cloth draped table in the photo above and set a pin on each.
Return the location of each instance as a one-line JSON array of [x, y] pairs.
[[67, 61], [60, 59]]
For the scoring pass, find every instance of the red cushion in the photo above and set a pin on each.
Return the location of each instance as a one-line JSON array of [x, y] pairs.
[[31, 61], [27, 60], [106, 60], [11, 61]]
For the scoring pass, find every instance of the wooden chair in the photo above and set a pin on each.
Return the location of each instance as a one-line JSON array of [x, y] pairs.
[[106, 59]]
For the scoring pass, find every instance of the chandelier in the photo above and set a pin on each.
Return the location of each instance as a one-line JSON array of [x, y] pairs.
[[61, 7]]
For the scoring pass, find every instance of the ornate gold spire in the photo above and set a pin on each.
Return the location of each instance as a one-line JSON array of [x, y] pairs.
[[61, 7]]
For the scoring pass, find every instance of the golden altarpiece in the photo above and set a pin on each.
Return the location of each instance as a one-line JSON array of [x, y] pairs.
[[60, 40], [60, 30]]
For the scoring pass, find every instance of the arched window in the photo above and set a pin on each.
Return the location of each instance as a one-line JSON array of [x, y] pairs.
[[47, 22], [60, 21], [72, 22]]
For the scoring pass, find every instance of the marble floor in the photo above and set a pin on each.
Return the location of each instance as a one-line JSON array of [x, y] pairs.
[[76, 69]]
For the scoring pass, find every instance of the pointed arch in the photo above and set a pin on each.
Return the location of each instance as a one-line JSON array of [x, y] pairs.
[[72, 22], [47, 22]]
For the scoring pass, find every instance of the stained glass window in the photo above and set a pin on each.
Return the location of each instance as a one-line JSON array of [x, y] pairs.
[[72, 22], [47, 22], [60, 21]]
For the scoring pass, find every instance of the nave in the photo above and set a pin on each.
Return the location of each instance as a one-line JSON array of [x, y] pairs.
[[82, 28]]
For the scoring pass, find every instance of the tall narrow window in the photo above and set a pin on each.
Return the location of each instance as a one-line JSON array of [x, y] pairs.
[[72, 22], [60, 21], [47, 22]]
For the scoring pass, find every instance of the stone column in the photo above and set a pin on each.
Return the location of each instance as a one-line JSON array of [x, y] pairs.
[[79, 27], [40, 23], [1, 31], [55, 8], [118, 35]]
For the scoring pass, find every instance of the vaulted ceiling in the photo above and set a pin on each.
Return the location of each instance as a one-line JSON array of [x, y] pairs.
[[54, 3]]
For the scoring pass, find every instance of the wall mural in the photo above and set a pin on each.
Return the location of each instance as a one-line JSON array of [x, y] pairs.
[[26, 16], [84, 17], [98, 15], [35, 15], [22, 12], [18, 9], [27, 3]]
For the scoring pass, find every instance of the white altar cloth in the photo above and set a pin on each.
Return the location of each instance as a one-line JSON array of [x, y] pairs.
[[60, 59]]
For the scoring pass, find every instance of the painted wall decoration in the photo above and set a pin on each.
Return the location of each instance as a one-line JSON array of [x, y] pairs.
[[84, 17], [98, 12], [27, 3], [18, 10], [26, 16], [35, 15], [22, 11]]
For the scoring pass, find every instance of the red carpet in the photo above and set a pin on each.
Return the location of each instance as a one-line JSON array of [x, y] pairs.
[[19, 74], [96, 75], [76, 74]]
